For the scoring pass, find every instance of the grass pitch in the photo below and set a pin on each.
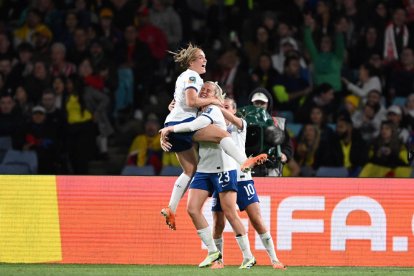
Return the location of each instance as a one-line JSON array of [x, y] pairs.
[[175, 270]]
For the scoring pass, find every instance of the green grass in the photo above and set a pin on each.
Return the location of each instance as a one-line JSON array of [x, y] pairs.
[[175, 270]]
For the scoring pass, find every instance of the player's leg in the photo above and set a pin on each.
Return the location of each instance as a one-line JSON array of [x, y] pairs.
[[248, 200], [228, 204], [217, 135], [219, 222], [197, 195], [255, 217], [188, 162]]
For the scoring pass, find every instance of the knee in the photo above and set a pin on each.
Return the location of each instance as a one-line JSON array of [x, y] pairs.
[[192, 211], [190, 169]]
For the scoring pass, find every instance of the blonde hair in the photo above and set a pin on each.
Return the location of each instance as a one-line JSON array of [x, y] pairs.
[[185, 56], [218, 91]]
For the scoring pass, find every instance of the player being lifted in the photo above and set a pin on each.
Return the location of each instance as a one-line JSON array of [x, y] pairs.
[[186, 105], [216, 172], [247, 198]]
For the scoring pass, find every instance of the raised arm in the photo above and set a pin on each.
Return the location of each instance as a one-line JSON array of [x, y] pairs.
[[238, 122]]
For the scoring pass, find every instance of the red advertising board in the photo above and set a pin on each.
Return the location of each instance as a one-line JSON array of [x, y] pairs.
[[313, 222]]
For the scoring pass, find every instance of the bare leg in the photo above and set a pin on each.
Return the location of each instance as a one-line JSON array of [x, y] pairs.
[[228, 204], [219, 221], [196, 199], [255, 217], [188, 161], [210, 133]]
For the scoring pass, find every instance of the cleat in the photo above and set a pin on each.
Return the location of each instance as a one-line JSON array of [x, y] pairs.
[[248, 263], [210, 259], [169, 217], [218, 264], [278, 265], [253, 161]]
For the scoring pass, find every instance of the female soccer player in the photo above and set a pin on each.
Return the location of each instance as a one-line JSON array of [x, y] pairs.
[[247, 198], [216, 172], [185, 109]]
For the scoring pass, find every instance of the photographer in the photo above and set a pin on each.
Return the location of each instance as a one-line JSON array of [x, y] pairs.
[[266, 134]]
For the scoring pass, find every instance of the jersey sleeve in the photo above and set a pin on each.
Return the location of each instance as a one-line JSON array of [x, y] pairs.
[[192, 80]]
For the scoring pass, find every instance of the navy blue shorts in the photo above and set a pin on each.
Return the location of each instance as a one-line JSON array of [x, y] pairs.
[[246, 195], [180, 141], [215, 182]]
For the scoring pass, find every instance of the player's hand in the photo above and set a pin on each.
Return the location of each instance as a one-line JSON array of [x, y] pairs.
[[164, 132], [218, 102], [165, 145], [171, 105], [283, 158]]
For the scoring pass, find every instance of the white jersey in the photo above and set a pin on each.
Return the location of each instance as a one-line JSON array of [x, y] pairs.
[[239, 138], [181, 111], [212, 157]]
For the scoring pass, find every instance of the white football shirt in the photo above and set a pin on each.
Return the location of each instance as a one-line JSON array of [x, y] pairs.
[[212, 157], [239, 138], [181, 111]]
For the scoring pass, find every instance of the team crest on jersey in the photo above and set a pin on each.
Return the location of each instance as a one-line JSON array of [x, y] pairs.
[[192, 80], [208, 110]]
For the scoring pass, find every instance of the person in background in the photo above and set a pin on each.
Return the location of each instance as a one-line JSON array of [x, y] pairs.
[[323, 96], [81, 129], [306, 149], [347, 148], [11, 120], [367, 81], [145, 148], [395, 116], [261, 98], [43, 139]]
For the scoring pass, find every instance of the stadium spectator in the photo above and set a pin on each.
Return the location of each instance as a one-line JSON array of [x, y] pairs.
[[80, 48], [322, 96], [368, 122], [291, 88], [108, 33], [367, 81], [11, 120], [327, 61], [232, 75], [265, 75], [395, 116], [145, 148], [22, 102], [347, 148], [306, 148], [37, 81], [396, 36], [81, 130], [163, 15], [261, 43], [60, 66], [43, 139], [24, 33], [401, 82]]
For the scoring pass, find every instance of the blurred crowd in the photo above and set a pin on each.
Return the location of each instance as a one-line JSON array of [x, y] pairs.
[[340, 71]]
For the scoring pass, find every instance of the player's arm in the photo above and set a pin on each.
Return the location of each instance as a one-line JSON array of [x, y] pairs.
[[238, 122], [192, 99], [199, 123]]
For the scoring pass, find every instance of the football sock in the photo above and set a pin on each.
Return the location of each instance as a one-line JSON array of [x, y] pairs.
[[180, 187], [207, 238], [229, 147], [244, 245], [268, 244], [219, 244]]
